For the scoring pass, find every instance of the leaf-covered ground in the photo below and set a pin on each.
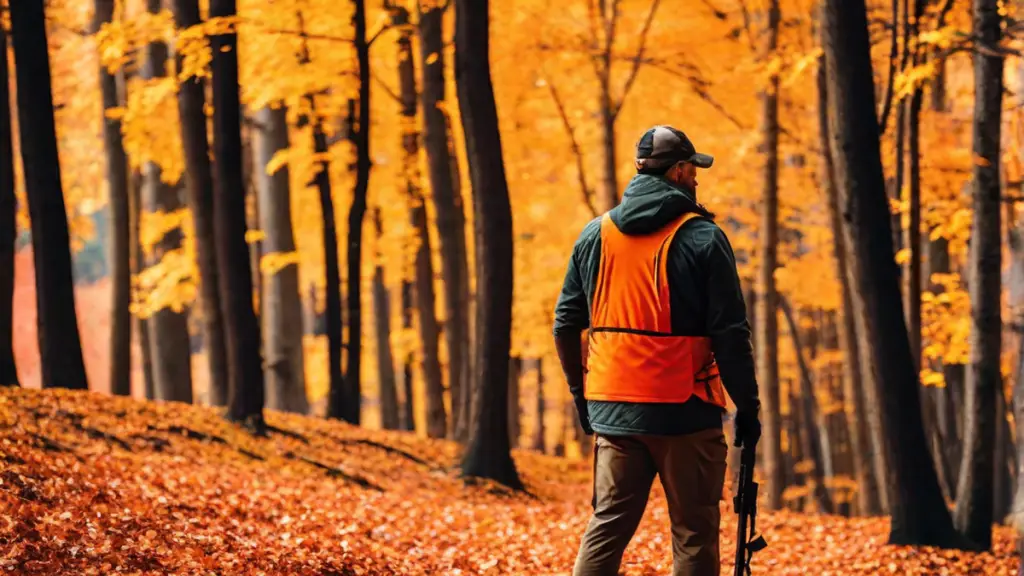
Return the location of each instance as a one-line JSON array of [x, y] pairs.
[[91, 484]]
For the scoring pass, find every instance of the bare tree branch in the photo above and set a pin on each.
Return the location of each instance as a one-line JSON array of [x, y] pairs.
[[699, 87], [883, 116], [717, 12], [592, 42], [747, 26], [580, 167], [384, 86], [644, 33]]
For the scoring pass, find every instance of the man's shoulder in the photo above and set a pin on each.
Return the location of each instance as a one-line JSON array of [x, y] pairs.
[[701, 232], [590, 234]]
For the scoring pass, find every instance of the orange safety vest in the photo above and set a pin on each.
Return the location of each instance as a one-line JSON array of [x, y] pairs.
[[632, 355]]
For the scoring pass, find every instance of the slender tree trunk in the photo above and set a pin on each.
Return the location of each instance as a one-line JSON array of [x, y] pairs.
[[1017, 516], [200, 192], [8, 226], [609, 177], [767, 325], [913, 243], [443, 169], [60, 346], [488, 454], [902, 26], [117, 184], [975, 488], [241, 329], [282, 306], [813, 423], [948, 399], [252, 222], [331, 319], [361, 138], [515, 370], [793, 475], [172, 372], [389, 416], [539, 435], [332, 301], [409, 408], [471, 308], [141, 324], [437, 425], [1003, 465], [946, 408], [823, 376], [430, 331], [912, 290], [918, 513]]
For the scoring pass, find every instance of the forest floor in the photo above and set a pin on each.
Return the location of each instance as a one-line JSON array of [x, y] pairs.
[[93, 484]]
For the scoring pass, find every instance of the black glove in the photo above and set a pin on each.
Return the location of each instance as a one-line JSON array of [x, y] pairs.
[[584, 415], [748, 428]]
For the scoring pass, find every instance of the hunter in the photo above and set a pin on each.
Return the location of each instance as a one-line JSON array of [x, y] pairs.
[[654, 283]]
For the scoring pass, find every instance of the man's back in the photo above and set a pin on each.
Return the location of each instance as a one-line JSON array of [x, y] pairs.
[[705, 297]]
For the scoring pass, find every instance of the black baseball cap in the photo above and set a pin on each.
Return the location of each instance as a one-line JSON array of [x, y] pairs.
[[662, 146]]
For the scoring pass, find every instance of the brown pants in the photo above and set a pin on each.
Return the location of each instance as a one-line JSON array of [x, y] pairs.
[[692, 471]]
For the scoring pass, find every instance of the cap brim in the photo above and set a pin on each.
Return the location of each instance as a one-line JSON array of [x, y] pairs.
[[702, 160]]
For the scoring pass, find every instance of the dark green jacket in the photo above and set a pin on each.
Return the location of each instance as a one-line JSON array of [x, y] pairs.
[[706, 300]]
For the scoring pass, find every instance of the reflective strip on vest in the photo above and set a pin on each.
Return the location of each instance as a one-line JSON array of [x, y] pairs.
[[632, 355]]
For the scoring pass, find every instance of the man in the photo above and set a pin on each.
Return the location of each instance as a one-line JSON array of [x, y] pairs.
[[655, 281]]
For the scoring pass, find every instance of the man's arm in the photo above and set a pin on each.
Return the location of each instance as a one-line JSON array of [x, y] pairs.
[[728, 327], [572, 316]]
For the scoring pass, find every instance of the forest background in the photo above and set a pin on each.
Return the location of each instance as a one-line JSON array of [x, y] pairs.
[[364, 235]]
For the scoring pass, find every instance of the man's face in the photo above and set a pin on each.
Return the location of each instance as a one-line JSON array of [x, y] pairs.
[[686, 174]]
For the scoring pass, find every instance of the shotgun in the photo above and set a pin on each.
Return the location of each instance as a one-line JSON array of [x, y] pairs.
[[745, 504]]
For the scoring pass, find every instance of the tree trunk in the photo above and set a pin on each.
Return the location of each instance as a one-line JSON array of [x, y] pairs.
[[409, 408], [975, 490], [336, 399], [913, 271], [609, 177], [949, 398], [823, 376], [1017, 516], [282, 306], [1003, 464], [813, 425], [252, 222], [169, 338], [539, 435], [515, 369], [947, 415], [241, 329], [918, 512], [437, 419], [767, 325], [389, 417], [361, 139], [912, 286], [488, 454], [60, 346], [443, 169], [862, 415], [117, 184], [199, 188], [141, 324], [8, 226]]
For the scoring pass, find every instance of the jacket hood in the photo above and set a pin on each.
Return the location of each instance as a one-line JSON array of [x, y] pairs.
[[650, 202]]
